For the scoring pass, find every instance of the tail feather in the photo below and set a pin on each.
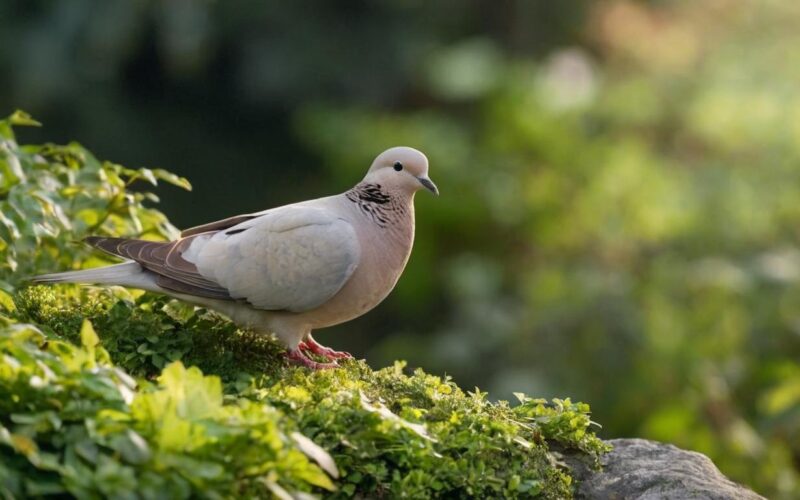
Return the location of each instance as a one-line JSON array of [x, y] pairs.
[[127, 274]]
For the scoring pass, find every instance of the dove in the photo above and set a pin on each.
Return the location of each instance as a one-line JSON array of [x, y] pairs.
[[288, 270]]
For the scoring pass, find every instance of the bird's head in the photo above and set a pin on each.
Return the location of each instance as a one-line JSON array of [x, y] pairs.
[[401, 168]]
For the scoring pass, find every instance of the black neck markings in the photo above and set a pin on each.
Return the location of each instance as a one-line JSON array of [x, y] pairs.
[[380, 206]]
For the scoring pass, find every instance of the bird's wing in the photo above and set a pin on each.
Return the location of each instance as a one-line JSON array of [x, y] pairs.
[[220, 224], [165, 260], [292, 258]]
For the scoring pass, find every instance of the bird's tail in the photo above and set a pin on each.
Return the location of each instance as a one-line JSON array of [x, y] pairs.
[[127, 274]]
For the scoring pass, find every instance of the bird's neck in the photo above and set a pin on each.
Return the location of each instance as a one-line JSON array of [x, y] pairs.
[[391, 214], [389, 209]]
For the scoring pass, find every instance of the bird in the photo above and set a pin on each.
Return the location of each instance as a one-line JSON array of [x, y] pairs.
[[287, 270]]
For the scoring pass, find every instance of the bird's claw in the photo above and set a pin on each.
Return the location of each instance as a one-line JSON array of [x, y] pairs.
[[320, 350], [297, 356]]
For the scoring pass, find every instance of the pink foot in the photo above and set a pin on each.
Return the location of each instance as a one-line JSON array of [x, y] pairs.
[[320, 350], [296, 356]]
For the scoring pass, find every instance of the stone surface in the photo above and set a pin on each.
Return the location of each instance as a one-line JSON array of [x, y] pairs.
[[647, 470]]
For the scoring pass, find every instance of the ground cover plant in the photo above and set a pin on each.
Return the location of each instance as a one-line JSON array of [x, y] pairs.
[[111, 392]]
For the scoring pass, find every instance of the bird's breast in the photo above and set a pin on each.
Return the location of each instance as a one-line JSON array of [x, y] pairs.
[[385, 250]]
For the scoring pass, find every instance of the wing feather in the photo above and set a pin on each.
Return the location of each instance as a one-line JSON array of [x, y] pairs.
[[174, 274], [218, 225], [294, 258]]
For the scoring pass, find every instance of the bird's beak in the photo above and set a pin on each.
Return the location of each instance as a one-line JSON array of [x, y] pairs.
[[429, 185]]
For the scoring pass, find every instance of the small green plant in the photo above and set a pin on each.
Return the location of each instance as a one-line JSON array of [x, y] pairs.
[[107, 392], [74, 423]]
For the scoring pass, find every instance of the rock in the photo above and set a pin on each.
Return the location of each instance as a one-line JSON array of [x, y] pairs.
[[647, 470]]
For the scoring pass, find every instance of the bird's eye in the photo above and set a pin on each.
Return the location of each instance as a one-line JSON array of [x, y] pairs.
[[398, 166]]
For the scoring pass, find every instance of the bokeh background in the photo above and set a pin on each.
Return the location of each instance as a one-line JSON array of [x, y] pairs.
[[620, 209]]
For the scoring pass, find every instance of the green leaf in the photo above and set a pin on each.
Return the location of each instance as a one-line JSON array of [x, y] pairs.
[[316, 453], [173, 179], [22, 118], [132, 447], [6, 301], [89, 338]]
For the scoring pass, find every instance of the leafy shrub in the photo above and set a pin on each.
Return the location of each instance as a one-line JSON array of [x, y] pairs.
[[121, 415], [78, 424], [52, 196]]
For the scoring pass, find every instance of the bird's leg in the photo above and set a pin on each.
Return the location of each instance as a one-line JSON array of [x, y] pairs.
[[297, 356], [309, 344]]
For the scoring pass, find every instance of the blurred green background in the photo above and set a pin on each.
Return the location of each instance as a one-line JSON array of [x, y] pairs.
[[620, 209]]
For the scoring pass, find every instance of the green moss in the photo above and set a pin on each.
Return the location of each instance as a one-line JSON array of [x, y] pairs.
[[108, 393], [388, 432]]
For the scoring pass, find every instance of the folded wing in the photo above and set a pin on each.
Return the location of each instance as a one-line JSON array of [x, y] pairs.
[[294, 258], [165, 260]]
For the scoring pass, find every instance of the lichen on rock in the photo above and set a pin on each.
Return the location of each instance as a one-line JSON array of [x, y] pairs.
[[642, 469]]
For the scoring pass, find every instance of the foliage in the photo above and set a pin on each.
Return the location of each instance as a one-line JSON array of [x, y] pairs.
[[96, 399], [52, 196], [73, 422]]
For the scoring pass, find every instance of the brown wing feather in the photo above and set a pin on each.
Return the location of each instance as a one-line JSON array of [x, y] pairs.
[[165, 259], [218, 225]]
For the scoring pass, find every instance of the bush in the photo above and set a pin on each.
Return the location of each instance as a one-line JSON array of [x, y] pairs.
[[118, 413]]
